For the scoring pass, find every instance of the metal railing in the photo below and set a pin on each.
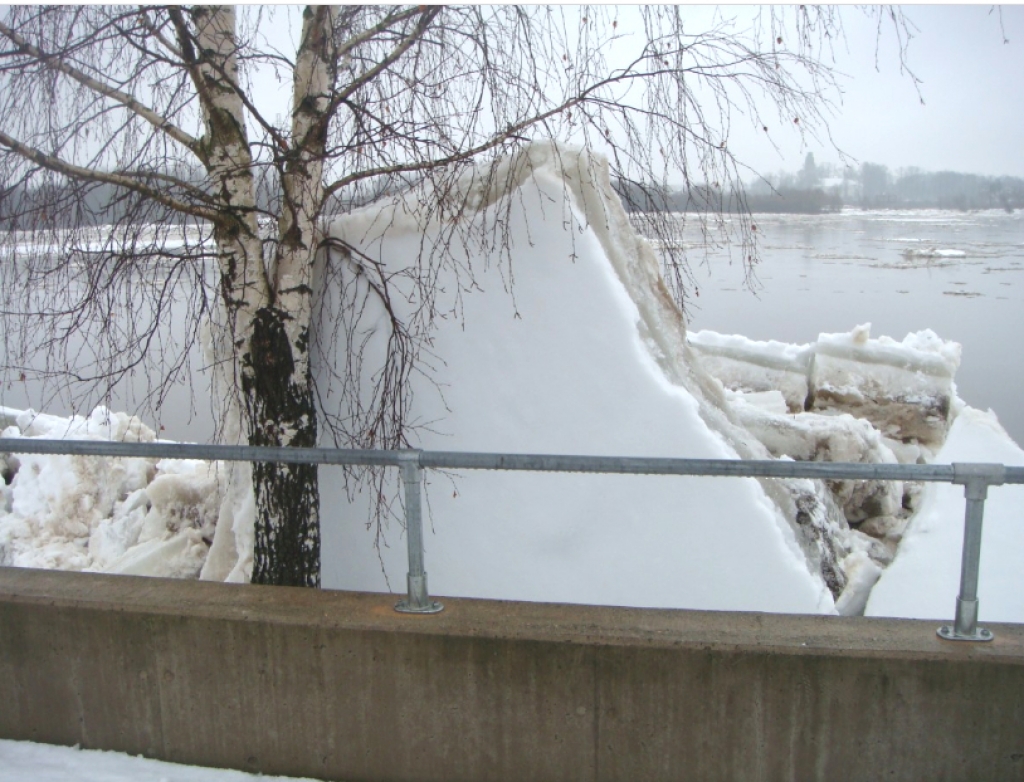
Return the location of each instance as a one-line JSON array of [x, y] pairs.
[[976, 478]]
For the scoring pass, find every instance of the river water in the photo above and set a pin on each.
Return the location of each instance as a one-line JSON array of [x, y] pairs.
[[959, 274]]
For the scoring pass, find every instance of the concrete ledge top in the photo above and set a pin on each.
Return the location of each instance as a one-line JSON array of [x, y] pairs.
[[826, 636]]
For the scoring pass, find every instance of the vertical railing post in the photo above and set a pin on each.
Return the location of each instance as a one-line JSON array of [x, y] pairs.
[[418, 600], [975, 478]]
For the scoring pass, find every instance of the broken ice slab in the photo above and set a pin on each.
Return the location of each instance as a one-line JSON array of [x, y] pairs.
[[749, 366], [905, 389]]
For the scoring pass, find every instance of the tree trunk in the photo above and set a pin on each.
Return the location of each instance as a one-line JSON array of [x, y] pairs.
[[277, 387], [281, 392], [267, 321]]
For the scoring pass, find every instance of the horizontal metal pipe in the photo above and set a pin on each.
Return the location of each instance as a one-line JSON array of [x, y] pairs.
[[458, 460], [669, 466], [226, 453]]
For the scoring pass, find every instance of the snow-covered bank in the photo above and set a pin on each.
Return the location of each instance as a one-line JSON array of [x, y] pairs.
[[24, 760]]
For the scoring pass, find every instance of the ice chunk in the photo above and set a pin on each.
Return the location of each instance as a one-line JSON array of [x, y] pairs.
[[747, 365], [587, 355], [913, 253], [834, 438], [862, 575], [102, 514], [904, 388]]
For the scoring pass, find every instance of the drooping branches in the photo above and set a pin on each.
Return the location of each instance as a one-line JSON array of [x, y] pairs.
[[155, 160]]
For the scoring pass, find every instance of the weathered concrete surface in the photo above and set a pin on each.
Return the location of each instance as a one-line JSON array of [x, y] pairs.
[[338, 686]]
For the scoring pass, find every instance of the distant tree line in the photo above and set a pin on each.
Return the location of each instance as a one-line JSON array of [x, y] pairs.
[[815, 189], [948, 190], [821, 188]]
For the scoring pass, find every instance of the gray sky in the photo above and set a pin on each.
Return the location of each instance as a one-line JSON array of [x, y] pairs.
[[972, 84]]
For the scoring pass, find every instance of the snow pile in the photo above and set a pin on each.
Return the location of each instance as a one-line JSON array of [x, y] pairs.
[[585, 354], [22, 760], [924, 579], [138, 516], [904, 389]]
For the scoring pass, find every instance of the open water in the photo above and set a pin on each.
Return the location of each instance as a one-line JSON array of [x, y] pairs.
[[960, 274]]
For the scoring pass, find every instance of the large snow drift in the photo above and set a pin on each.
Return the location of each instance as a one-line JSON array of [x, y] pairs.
[[582, 353]]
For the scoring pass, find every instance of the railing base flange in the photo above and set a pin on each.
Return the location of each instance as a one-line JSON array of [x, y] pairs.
[[433, 607], [949, 633]]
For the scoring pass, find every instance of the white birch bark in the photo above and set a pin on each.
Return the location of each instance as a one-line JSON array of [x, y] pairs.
[[267, 315]]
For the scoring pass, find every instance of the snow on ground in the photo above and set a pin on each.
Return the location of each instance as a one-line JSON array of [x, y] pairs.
[[924, 579], [26, 760]]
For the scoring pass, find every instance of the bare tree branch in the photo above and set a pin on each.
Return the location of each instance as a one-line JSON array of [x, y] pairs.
[[153, 187], [342, 96], [130, 103], [129, 182]]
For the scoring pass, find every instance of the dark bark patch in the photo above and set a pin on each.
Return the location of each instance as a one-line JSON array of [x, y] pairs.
[[282, 412], [272, 362]]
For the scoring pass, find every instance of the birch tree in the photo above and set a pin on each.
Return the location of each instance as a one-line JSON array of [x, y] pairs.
[[161, 122]]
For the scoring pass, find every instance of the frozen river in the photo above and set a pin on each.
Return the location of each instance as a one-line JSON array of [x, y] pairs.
[[959, 274]]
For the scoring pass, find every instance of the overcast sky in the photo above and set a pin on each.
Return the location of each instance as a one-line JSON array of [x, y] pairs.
[[972, 84], [972, 118]]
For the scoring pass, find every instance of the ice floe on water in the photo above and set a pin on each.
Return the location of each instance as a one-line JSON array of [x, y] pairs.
[[566, 341], [933, 252]]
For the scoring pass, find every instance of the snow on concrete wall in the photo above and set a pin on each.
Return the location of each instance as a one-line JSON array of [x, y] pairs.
[[567, 345]]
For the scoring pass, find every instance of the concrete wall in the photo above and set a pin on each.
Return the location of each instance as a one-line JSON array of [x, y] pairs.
[[336, 685]]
